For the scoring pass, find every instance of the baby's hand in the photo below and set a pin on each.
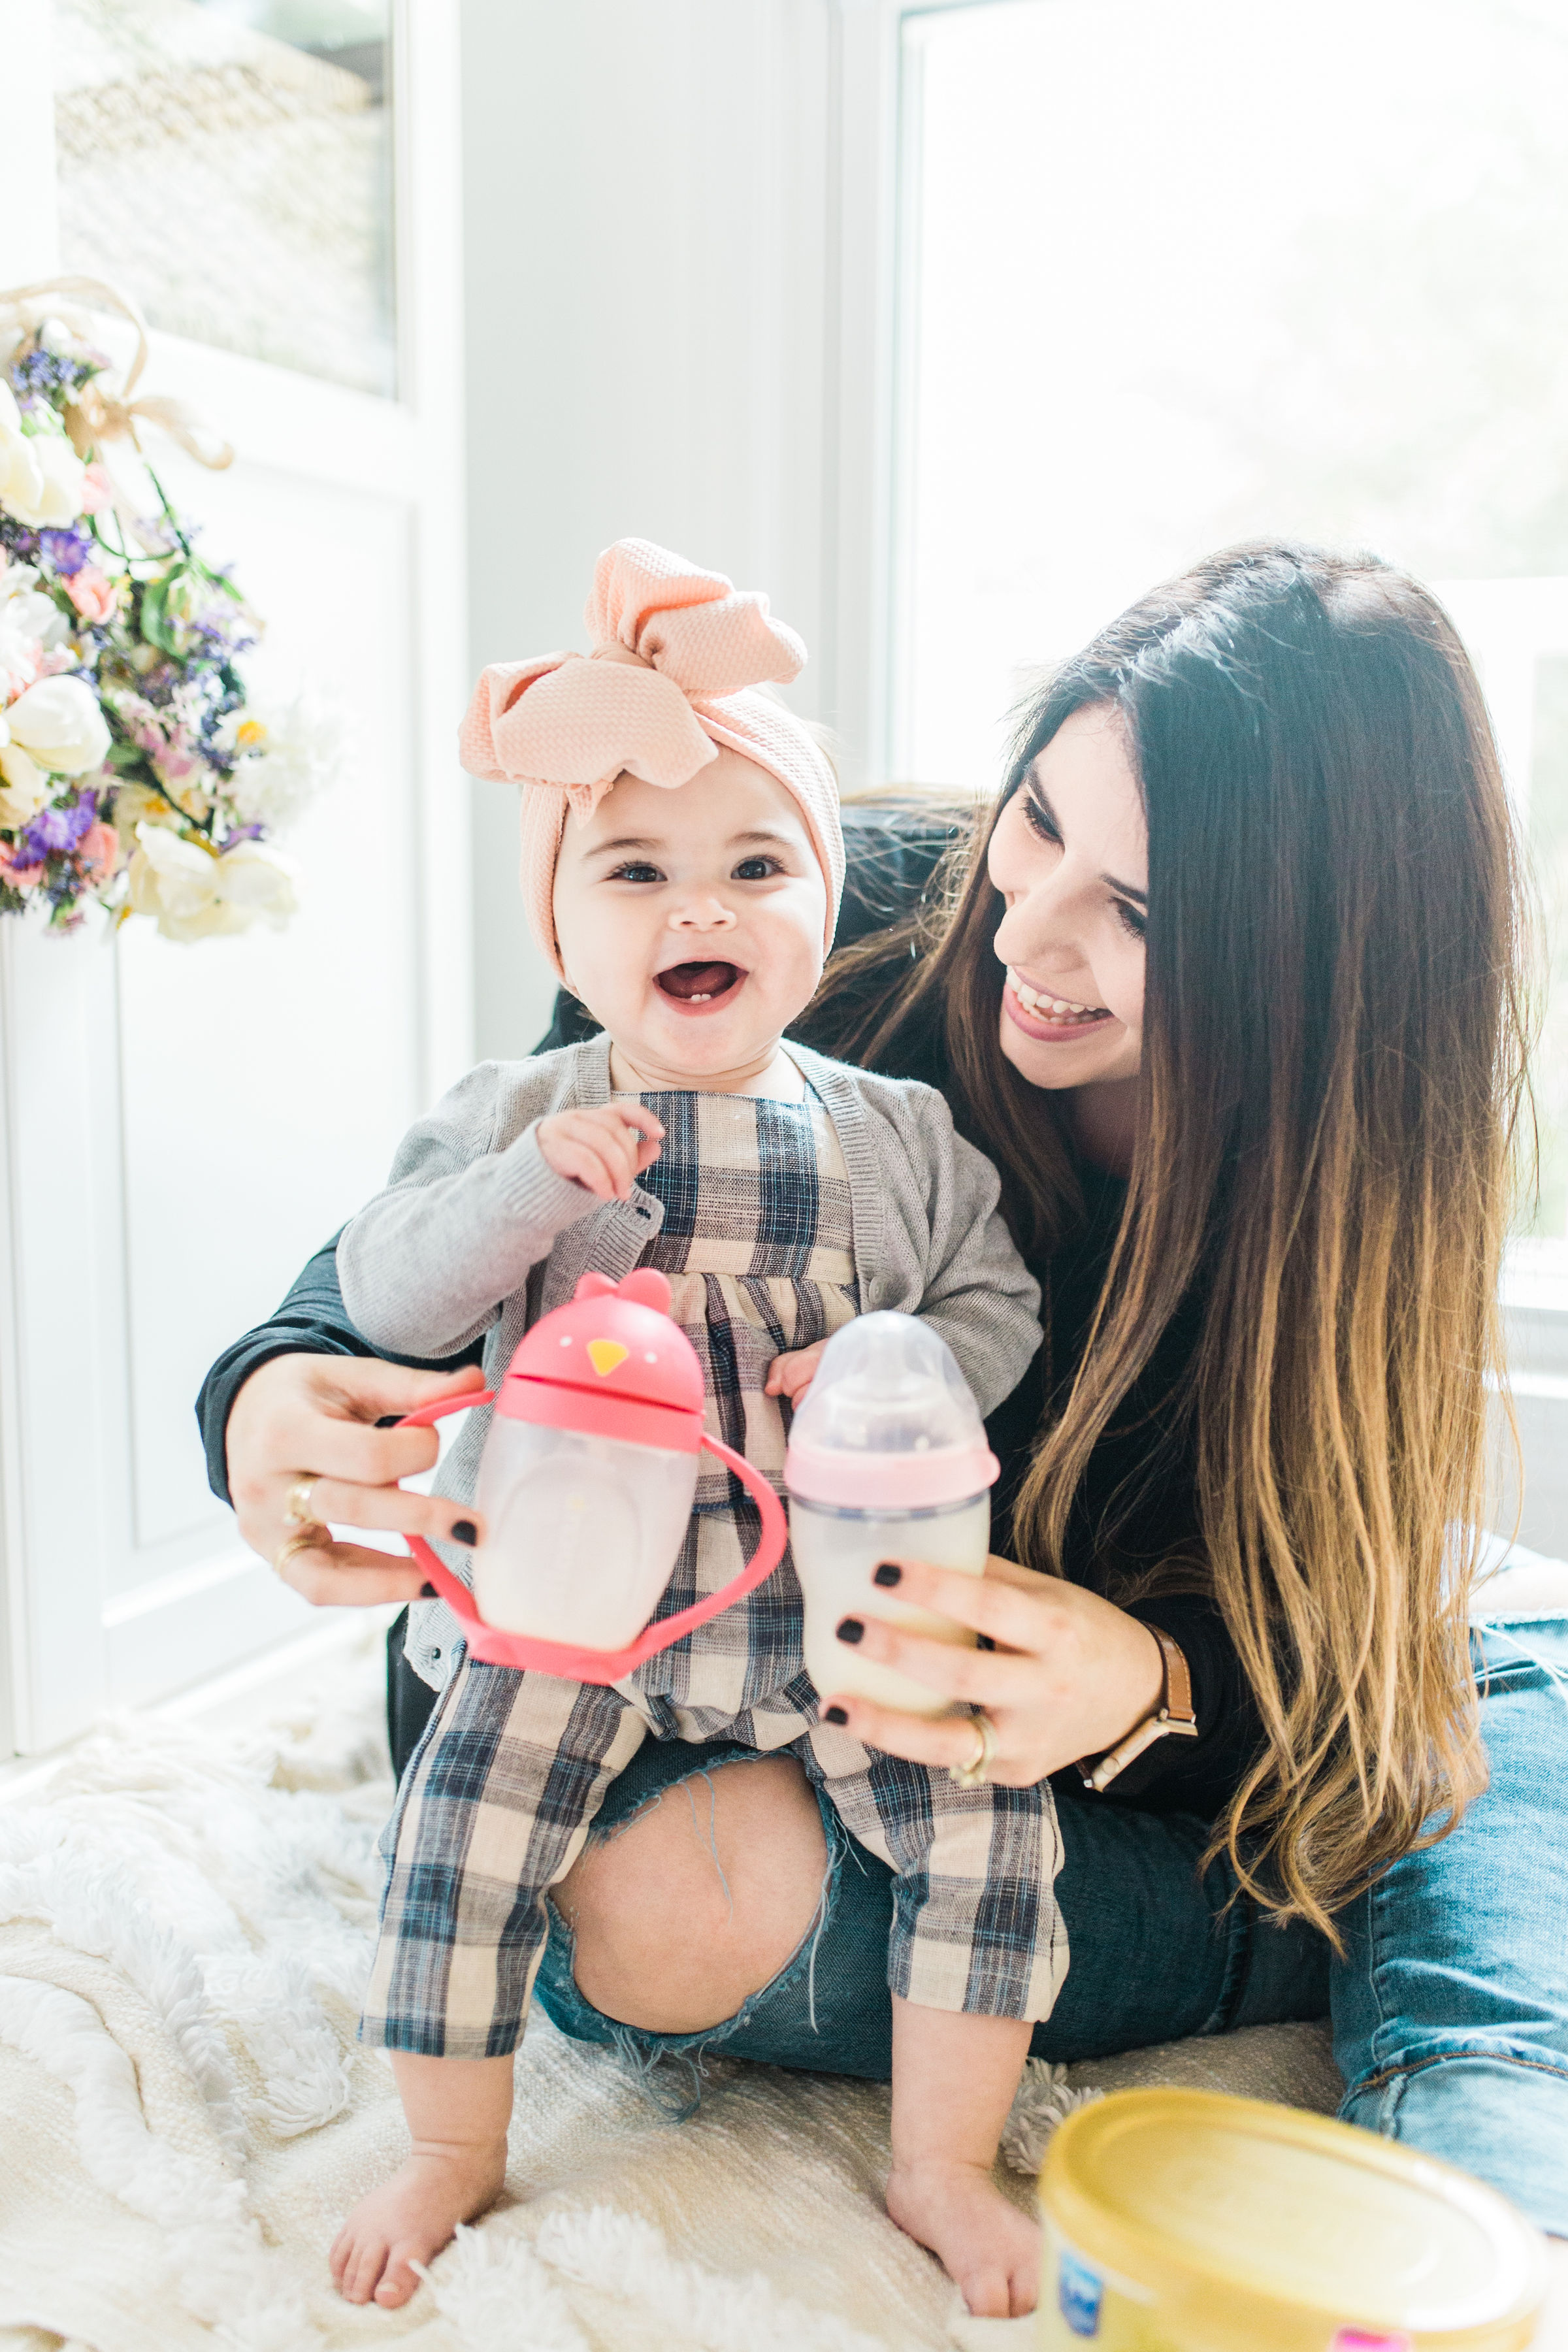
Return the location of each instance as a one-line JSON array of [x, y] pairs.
[[791, 1374], [604, 1149]]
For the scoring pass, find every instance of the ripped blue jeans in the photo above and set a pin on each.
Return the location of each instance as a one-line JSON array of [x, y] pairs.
[[1450, 2009], [1158, 1953]]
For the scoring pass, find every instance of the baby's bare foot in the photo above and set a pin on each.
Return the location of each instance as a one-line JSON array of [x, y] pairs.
[[989, 2250], [410, 2218]]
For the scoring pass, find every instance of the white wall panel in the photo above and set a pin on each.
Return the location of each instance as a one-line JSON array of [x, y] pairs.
[[646, 197], [265, 1079]]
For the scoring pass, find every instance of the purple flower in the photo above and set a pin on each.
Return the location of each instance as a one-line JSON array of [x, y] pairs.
[[56, 830], [67, 551], [40, 374]]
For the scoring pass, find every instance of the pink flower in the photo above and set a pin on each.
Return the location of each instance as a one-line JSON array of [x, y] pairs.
[[170, 755], [20, 878], [96, 493], [93, 594], [99, 851]]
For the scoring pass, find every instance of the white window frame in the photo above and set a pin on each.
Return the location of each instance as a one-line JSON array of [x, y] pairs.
[[1508, 624]]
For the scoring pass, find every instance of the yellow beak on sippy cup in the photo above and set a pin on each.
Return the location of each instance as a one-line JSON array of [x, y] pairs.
[[605, 1354]]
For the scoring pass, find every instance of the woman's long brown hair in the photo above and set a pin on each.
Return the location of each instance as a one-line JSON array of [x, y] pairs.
[[1333, 1064]]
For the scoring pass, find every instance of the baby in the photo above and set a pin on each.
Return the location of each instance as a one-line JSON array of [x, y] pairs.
[[681, 867]]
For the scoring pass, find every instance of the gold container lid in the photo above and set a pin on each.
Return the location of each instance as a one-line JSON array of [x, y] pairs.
[[1245, 2225]]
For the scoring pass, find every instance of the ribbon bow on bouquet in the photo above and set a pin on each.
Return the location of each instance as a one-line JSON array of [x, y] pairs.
[[98, 413]]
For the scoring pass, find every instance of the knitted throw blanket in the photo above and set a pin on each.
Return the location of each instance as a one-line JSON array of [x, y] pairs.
[[185, 1920]]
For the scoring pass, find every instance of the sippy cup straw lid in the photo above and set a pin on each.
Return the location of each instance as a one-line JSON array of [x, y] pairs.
[[889, 1422]]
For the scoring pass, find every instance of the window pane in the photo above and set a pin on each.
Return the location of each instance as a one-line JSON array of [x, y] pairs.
[[1184, 271], [229, 164]]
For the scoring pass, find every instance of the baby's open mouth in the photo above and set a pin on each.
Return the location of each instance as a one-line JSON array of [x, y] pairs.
[[700, 983]]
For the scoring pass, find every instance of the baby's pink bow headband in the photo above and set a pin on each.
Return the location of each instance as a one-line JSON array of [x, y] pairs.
[[674, 650]]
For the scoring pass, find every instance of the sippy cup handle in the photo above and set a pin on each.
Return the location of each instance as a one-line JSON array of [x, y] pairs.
[[569, 1660]]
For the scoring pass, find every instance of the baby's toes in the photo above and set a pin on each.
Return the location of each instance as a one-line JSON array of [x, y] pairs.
[[362, 2269], [987, 2291], [399, 2281]]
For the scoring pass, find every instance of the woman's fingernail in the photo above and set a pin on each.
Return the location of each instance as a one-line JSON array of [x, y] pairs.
[[850, 1630], [887, 1572], [428, 1593], [465, 1532], [833, 1715]]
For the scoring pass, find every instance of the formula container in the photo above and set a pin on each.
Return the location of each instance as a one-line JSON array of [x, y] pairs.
[[887, 1459], [1183, 2222]]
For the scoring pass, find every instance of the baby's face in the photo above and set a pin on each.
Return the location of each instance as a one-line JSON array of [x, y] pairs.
[[691, 922]]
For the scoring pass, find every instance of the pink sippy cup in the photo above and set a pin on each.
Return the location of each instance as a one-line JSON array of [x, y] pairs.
[[587, 1486], [887, 1459]]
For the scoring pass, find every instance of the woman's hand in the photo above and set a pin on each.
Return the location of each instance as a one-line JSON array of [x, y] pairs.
[[1071, 1674], [314, 1417]]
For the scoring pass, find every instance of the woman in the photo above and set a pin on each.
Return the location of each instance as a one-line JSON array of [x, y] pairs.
[[1228, 993]]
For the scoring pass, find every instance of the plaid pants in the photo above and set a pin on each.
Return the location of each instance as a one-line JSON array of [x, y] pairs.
[[501, 1802]]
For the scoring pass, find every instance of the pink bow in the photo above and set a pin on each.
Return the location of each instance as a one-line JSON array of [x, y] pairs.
[[666, 637]]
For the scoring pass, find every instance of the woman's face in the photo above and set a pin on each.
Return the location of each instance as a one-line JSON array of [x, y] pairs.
[[1070, 856]]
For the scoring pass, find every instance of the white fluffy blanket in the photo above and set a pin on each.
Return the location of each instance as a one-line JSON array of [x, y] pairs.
[[185, 2117]]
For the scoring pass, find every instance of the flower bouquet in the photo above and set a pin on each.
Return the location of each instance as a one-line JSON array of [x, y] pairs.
[[134, 774]]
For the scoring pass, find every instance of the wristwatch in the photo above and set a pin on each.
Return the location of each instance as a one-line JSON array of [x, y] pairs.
[[1173, 1719]]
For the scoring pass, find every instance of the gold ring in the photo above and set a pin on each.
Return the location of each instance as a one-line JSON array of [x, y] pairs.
[[296, 1508], [973, 1774], [306, 1539]]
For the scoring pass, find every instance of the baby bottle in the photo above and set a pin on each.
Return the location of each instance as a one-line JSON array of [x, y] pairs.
[[586, 1485], [887, 1458], [586, 1480]]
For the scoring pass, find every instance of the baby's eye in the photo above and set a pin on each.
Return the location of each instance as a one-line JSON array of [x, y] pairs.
[[757, 869], [636, 869]]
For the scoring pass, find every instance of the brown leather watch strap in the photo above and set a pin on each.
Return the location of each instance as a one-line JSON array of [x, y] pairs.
[[1175, 1715]]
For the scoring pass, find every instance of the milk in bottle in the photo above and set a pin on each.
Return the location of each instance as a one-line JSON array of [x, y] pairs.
[[887, 1459]]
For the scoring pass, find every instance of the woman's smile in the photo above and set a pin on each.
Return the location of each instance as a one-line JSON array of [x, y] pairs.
[[1041, 1014]]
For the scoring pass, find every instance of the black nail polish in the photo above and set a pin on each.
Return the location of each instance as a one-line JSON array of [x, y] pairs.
[[887, 1573], [428, 1593], [465, 1532], [850, 1630], [833, 1715]]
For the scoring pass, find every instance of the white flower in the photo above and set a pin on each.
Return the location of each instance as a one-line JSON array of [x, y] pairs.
[[194, 895], [25, 606], [284, 758], [30, 622], [42, 478], [60, 723], [27, 786], [260, 879]]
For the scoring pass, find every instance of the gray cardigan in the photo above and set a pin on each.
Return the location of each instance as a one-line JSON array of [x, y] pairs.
[[476, 1232]]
